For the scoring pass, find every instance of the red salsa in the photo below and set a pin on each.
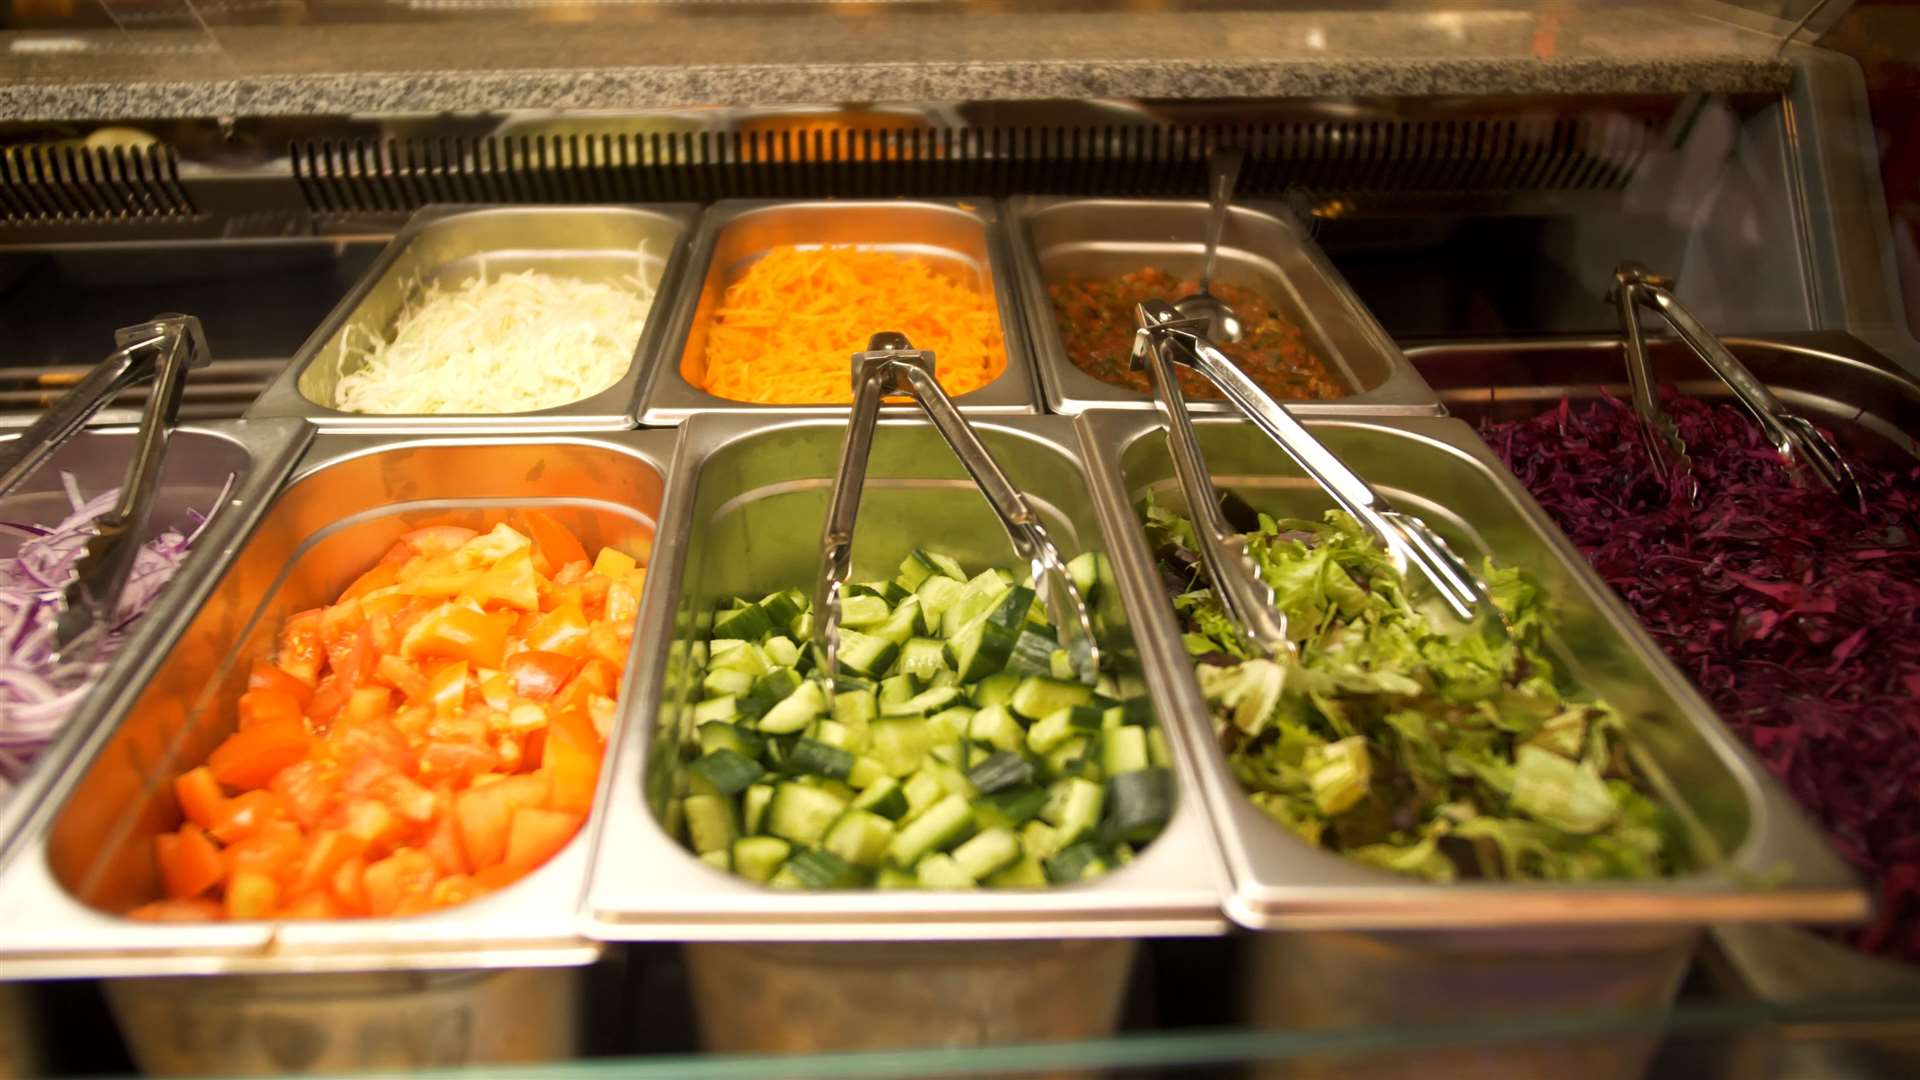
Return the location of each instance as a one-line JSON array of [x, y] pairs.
[[1096, 323]]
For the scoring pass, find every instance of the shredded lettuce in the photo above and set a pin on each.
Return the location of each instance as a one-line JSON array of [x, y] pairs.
[[1410, 742]]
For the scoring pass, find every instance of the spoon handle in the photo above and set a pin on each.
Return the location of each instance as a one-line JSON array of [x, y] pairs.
[[1223, 175]]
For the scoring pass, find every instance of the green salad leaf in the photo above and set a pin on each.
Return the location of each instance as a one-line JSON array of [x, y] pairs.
[[1406, 741]]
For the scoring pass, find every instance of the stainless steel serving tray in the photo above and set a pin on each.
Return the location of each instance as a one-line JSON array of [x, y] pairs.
[[350, 498], [1264, 249], [1440, 470], [745, 505], [451, 244], [1871, 406], [257, 455], [959, 234]]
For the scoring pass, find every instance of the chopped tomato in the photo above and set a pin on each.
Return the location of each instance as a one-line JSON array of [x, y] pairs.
[[268, 677], [434, 735], [328, 850], [258, 706], [300, 653], [572, 761], [190, 864], [538, 674], [251, 895], [275, 850], [555, 541], [434, 540], [381, 576], [453, 632], [390, 882], [199, 795], [250, 757], [246, 814], [538, 835]]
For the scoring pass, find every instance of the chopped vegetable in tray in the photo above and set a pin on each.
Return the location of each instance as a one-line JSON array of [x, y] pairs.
[[432, 736], [515, 343], [1442, 753], [1796, 615], [1097, 326], [955, 751], [785, 329], [37, 691]]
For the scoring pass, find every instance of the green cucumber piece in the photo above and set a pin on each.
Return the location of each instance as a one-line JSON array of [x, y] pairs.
[[816, 869], [995, 689], [1073, 807], [1037, 697], [1079, 862], [996, 727], [801, 813], [942, 872], [987, 852], [812, 757], [715, 711], [923, 657], [866, 655], [710, 825], [757, 857], [900, 746], [796, 710], [860, 837], [1139, 803], [1123, 750], [884, 797], [1002, 769], [863, 612], [746, 623], [727, 770], [1011, 807], [942, 826], [753, 807]]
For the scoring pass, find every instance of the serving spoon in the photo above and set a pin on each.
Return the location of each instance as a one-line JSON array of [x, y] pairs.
[[1223, 175]]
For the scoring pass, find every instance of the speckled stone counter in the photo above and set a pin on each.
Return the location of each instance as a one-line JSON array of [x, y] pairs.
[[727, 56]]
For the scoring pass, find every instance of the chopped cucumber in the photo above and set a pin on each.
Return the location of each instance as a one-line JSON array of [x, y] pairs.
[[884, 797], [995, 689], [1001, 770], [860, 837], [710, 823], [943, 825], [757, 857], [815, 758], [1123, 750], [987, 852], [1139, 803], [866, 655], [863, 612], [796, 710], [753, 807], [942, 872], [802, 814], [816, 869], [728, 771], [1037, 697]]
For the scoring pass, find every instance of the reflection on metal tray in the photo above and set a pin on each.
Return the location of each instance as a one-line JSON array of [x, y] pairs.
[[961, 237], [1871, 407], [87, 850], [1381, 948], [451, 245], [1264, 249], [745, 505]]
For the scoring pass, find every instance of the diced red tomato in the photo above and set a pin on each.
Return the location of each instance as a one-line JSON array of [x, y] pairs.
[[300, 654], [434, 540], [452, 632], [264, 676], [539, 675], [250, 757], [434, 735], [190, 864], [246, 814], [199, 795], [555, 541], [538, 835]]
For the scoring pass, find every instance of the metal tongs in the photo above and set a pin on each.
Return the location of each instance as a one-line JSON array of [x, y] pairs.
[[891, 365], [1164, 339], [1802, 449], [163, 350]]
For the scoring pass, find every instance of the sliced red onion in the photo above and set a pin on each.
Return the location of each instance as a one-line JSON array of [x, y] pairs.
[[38, 694]]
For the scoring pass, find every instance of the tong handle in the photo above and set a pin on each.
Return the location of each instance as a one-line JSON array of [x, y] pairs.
[[1224, 555], [171, 345], [1668, 451], [1799, 443], [21, 457], [892, 366], [1408, 540]]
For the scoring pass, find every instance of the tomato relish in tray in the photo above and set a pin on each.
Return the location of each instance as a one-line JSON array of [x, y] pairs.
[[1095, 316], [433, 735]]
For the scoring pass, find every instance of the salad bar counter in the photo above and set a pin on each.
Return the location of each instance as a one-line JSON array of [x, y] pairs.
[[492, 646]]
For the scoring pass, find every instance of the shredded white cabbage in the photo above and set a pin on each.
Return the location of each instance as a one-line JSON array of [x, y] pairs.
[[516, 343]]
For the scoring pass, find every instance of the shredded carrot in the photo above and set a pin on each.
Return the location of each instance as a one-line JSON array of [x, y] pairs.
[[787, 328]]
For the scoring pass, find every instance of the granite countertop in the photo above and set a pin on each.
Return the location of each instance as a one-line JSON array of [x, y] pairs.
[[653, 58]]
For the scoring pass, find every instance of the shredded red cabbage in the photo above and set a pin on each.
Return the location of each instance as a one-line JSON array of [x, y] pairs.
[[37, 694], [1797, 616]]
